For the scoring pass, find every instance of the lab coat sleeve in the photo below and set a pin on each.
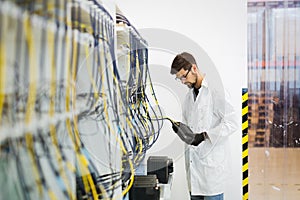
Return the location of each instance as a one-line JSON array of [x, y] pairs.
[[227, 123]]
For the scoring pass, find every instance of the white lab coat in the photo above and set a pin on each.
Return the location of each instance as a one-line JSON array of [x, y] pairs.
[[206, 163]]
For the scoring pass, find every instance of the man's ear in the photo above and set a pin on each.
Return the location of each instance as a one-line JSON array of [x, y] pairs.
[[194, 68]]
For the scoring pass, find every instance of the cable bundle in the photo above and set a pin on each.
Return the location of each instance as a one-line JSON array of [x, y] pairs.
[[73, 125]]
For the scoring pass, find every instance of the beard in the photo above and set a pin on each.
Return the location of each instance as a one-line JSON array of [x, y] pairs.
[[191, 85]]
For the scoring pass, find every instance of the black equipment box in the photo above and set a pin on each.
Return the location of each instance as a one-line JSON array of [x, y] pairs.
[[162, 166], [144, 188]]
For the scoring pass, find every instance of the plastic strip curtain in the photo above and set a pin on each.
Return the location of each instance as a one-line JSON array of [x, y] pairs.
[[274, 99]]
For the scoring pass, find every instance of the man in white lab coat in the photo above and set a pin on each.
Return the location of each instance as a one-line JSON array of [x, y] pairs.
[[208, 121]]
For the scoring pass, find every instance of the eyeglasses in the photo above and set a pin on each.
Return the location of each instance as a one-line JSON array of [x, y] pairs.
[[183, 78]]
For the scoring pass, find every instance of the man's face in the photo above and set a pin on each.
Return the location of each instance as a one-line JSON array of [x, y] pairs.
[[186, 77]]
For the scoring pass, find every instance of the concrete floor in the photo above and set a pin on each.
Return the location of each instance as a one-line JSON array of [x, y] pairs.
[[274, 173]]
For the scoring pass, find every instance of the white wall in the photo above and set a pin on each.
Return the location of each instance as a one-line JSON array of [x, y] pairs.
[[219, 29]]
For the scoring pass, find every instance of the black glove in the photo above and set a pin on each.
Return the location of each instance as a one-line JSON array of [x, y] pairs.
[[186, 134]]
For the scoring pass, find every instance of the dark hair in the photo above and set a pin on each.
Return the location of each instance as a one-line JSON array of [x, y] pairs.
[[183, 60]]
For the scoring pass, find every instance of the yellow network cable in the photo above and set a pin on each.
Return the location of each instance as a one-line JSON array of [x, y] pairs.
[[152, 92], [59, 159], [32, 71], [73, 88], [70, 83], [83, 168], [128, 72], [146, 105], [75, 23], [53, 74], [137, 137], [128, 110], [123, 149], [127, 98], [83, 159], [70, 100], [51, 7], [143, 102], [51, 115], [2, 65], [88, 66], [128, 114], [31, 97], [138, 72], [68, 91], [131, 126], [124, 192], [96, 96], [86, 175]]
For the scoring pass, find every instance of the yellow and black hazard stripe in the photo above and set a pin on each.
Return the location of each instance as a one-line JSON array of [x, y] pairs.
[[245, 142]]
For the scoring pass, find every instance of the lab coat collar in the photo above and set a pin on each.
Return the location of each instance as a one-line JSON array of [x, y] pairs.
[[203, 84]]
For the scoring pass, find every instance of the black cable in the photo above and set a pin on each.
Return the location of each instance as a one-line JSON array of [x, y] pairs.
[[56, 46], [102, 9], [41, 138], [93, 46], [79, 39], [21, 175], [46, 145]]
